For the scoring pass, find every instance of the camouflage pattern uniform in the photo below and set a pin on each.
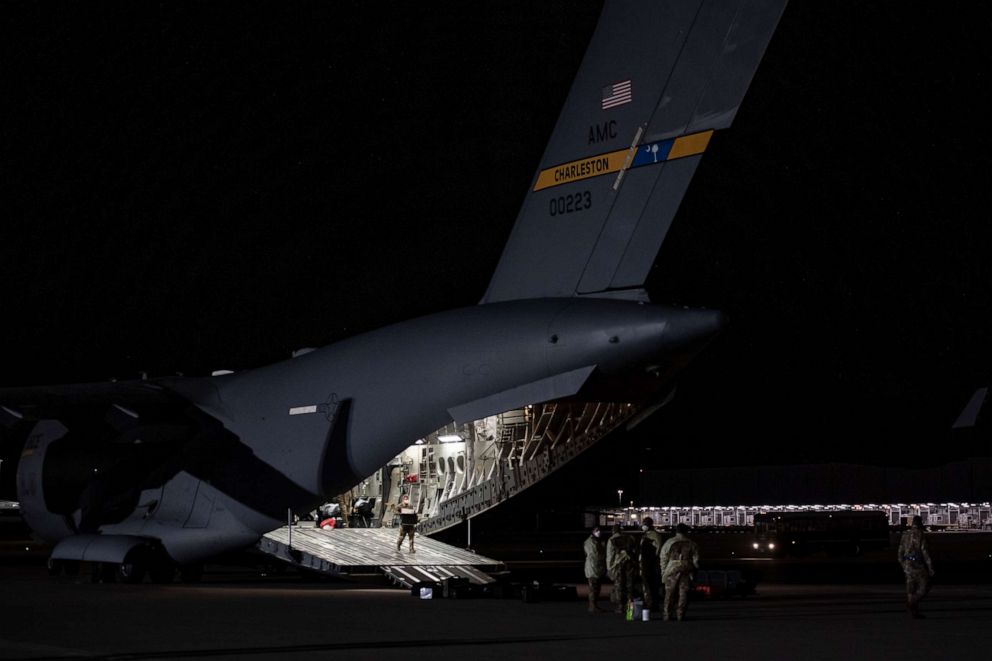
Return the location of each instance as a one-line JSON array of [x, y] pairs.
[[621, 562], [915, 560], [595, 568], [408, 523], [679, 558], [651, 543]]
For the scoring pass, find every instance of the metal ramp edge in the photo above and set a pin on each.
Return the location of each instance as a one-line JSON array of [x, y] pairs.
[[371, 550], [409, 575]]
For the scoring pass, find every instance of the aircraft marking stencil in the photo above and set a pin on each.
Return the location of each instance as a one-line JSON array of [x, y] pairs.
[[153, 473], [649, 154], [327, 408]]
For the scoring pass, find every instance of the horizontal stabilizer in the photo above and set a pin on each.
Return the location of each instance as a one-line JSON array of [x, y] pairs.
[[558, 386]]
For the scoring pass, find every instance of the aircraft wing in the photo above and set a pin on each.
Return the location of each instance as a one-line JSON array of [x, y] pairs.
[[657, 80], [57, 402]]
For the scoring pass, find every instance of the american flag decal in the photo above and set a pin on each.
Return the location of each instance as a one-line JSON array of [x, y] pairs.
[[617, 94]]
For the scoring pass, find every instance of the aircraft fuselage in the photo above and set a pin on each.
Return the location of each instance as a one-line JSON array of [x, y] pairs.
[[411, 378]]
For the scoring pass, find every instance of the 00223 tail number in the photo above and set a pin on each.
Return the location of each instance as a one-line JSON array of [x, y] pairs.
[[559, 206]]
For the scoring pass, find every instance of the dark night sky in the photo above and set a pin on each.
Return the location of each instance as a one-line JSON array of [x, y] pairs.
[[193, 188]]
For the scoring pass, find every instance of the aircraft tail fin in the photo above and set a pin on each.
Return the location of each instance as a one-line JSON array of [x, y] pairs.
[[657, 80], [969, 415]]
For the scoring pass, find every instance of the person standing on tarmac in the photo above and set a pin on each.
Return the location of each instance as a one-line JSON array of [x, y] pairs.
[[595, 566], [679, 559], [650, 550], [621, 561], [915, 560]]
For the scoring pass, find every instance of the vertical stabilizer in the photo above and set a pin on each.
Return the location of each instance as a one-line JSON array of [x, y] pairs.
[[969, 416], [657, 79]]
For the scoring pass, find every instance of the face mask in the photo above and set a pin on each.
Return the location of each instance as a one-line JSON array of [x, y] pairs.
[[644, 528], [595, 533]]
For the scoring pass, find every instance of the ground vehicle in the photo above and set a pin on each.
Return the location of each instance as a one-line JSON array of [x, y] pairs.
[[836, 532]]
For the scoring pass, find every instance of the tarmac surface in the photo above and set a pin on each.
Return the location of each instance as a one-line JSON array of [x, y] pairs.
[[240, 615], [815, 607]]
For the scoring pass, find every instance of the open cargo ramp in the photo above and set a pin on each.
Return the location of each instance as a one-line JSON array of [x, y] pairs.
[[346, 551]]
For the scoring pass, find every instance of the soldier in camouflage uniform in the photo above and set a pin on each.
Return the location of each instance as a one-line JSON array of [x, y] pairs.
[[621, 563], [650, 550], [595, 566], [915, 560], [408, 522], [679, 558]]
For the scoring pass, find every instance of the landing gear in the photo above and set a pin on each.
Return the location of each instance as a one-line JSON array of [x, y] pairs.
[[134, 567], [63, 567], [141, 561], [161, 568], [130, 572], [104, 572]]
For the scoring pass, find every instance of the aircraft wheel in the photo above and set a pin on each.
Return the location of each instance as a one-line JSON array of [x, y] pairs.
[[130, 572], [134, 567]]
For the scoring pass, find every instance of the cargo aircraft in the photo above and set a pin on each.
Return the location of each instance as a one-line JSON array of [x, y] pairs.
[[148, 475]]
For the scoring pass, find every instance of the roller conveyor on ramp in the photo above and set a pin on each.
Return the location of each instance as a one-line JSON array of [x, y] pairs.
[[369, 550]]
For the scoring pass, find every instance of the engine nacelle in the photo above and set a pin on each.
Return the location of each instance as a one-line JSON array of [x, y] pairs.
[[76, 480], [109, 494], [49, 525]]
